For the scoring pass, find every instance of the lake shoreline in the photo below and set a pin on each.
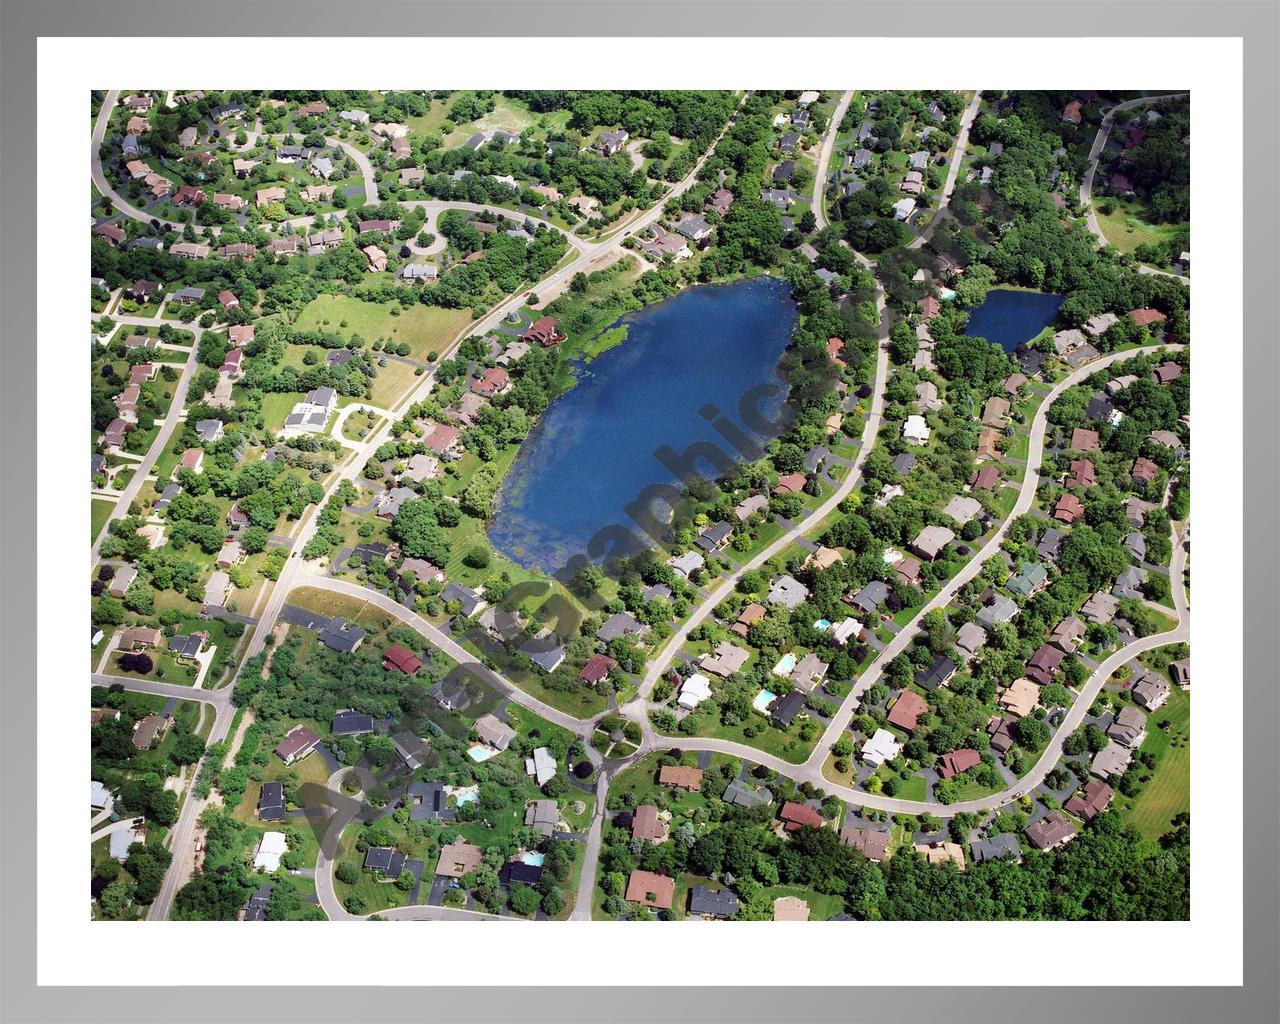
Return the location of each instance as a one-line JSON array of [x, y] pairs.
[[686, 353]]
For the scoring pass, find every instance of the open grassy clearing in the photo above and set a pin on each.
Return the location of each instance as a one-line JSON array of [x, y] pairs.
[[426, 329]]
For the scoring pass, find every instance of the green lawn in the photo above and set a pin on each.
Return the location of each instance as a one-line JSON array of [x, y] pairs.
[[1169, 791], [1126, 230], [99, 512], [276, 407], [425, 328]]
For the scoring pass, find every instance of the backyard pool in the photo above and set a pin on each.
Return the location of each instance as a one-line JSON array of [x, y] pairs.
[[763, 699]]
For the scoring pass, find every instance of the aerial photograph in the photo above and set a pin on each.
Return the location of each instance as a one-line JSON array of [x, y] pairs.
[[589, 505]]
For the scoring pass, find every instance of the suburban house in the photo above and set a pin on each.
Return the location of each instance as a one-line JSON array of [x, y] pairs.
[[297, 744], [271, 801], [1020, 698], [790, 908], [1051, 831], [1129, 727], [906, 711], [931, 541], [939, 852], [648, 825], [704, 902], [459, 858], [958, 762], [937, 675], [681, 777], [871, 843], [650, 890], [1005, 844], [543, 331], [881, 747], [1090, 800]]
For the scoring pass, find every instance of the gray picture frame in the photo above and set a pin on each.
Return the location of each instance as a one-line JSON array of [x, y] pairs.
[[1258, 999]]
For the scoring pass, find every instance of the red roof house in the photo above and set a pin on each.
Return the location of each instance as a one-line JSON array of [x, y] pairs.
[[907, 709], [959, 761], [1068, 509], [794, 815], [402, 659]]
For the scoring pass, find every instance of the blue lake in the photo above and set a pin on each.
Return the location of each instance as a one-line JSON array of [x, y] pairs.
[[595, 448], [1010, 318]]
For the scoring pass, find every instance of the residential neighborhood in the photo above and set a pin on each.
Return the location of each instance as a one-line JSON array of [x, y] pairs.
[[431, 528]]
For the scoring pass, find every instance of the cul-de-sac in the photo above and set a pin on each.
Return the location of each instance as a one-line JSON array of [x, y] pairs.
[[643, 506]]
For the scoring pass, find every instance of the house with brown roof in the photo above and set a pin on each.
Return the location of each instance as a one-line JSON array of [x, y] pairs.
[[958, 762], [681, 777], [494, 381], [544, 331], [1073, 113], [1146, 316], [1044, 664], [790, 908], [597, 669], [269, 195], [459, 858], [906, 711], [1167, 373], [135, 638], [297, 744], [1051, 831], [748, 617], [1144, 470], [795, 815], [908, 571], [984, 479], [939, 852], [1083, 474], [871, 843], [995, 412], [148, 730], [1084, 440], [1068, 634], [650, 890], [790, 483], [648, 825], [1090, 800], [1020, 698], [988, 445], [1068, 509]]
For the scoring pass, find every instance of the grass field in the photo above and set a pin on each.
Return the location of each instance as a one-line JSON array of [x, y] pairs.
[[99, 512], [392, 383], [425, 328], [1126, 230], [1169, 791]]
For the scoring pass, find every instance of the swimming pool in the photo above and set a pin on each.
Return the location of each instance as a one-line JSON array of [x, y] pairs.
[[479, 752], [785, 664], [469, 795], [533, 859], [763, 699], [822, 625]]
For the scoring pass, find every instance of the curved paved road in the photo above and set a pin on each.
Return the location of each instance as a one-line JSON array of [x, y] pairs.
[[953, 171], [659, 664], [1095, 155], [819, 204]]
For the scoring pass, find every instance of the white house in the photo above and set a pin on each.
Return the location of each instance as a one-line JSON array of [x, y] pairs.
[[695, 690], [274, 845], [880, 748], [916, 430]]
